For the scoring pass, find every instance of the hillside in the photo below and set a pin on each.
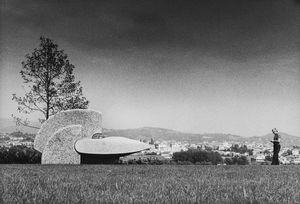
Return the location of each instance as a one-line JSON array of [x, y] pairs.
[[286, 139], [8, 126], [166, 134]]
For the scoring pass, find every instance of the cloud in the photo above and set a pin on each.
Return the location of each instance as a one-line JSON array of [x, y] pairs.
[[238, 30]]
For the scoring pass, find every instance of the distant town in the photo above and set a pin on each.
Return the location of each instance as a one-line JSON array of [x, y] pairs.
[[256, 151]]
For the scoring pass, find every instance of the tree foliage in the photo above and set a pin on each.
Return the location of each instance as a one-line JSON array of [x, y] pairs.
[[239, 160], [241, 149], [198, 156], [51, 82], [269, 158], [19, 154]]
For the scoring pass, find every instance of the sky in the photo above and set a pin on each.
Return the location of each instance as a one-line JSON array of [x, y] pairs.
[[210, 66]]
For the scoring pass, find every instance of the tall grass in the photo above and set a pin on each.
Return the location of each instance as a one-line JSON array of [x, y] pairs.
[[149, 184]]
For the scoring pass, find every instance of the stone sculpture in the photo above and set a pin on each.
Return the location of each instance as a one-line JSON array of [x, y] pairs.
[[58, 135]]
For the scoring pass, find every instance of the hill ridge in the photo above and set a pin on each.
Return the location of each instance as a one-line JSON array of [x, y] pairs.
[[158, 133]]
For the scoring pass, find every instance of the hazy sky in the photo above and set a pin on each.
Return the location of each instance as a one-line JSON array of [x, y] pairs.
[[196, 66]]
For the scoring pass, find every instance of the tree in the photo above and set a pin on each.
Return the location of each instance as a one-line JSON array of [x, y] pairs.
[[19, 154], [198, 156], [269, 158], [152, 141], [289, 152], [241, 149], [239, 160], [267, 152], [51, 83]]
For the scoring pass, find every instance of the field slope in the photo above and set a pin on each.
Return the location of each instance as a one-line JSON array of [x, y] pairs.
[[149, 184]]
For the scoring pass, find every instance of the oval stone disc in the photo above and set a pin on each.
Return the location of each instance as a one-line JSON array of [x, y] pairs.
[[109, 145]]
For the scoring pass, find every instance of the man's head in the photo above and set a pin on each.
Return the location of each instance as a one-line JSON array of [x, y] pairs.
[[275, 131]]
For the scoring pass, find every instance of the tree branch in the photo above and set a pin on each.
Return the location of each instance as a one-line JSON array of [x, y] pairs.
[[27, 125]]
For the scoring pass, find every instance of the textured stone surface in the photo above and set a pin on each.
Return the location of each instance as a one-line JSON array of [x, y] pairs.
[[109, 145], [60, 147], [90, 121]]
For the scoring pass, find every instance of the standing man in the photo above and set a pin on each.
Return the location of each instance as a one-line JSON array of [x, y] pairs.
[[276, 146]]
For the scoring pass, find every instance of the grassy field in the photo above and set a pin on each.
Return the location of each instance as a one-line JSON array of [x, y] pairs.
[[149, 184]]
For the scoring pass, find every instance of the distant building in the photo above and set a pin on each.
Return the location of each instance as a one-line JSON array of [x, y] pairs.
[[296, 161], [260, 158], [296, 151]]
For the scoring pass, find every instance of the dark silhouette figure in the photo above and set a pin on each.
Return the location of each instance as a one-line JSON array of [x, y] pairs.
[[276, 146]]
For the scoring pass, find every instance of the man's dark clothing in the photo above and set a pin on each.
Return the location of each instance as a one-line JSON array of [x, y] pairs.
[[276, 149]]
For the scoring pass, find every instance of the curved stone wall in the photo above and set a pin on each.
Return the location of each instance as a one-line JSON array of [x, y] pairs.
[[91, 122], [60, 147]]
